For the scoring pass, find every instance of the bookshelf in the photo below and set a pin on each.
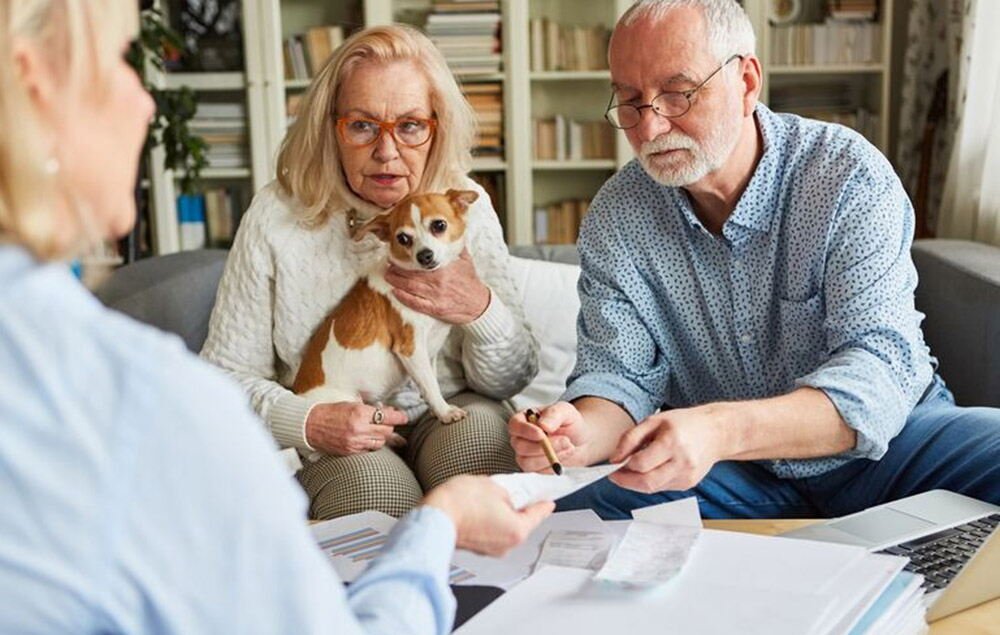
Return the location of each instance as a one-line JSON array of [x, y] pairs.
[[521, 182], [829, 69], [231, 112]]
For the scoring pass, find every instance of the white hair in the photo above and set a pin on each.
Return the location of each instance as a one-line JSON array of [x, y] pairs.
[[728, 26]]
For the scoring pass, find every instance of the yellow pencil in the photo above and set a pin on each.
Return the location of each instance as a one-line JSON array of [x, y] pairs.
[[532, 416]]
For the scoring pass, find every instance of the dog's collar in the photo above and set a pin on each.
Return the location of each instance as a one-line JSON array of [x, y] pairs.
[[356, 218], [355, 221]]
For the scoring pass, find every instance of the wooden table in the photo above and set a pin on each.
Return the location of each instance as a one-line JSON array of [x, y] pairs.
[[978, 620]]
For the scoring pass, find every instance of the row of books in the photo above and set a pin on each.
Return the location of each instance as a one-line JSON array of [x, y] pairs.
[[560, 138], [468, 35], [559, 223], [558, 47], [486, 99], [210, 219], [306, 53], [832, 42], [852, 9], [860, 119], [465, 6], [817, 95], [223, 126], [837, 102]]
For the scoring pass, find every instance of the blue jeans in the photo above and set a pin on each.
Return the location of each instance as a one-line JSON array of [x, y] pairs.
[[942, 446]]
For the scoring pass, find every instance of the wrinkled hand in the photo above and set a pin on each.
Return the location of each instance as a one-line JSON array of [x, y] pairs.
[[568, 434], [485, 521], [453, 294], [346, 428], [671, 450]]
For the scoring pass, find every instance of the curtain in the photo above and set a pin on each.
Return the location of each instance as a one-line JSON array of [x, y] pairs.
[[931, 99], [970, 205]]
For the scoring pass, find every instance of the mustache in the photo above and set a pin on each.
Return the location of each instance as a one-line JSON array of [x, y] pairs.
[[672, 140]]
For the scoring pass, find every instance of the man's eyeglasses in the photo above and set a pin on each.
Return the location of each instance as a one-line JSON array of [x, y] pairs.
[[670, 104], [408, 131]]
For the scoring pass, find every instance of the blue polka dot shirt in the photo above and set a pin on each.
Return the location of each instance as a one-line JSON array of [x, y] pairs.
[[810, 284]]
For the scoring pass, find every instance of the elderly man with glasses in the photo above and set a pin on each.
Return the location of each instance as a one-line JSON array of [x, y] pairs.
[[747, 330]]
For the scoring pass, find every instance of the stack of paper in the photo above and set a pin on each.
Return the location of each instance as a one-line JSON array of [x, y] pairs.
[[661, 572], [729, 582]]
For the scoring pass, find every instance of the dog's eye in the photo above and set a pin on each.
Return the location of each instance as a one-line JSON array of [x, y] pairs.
[[404, 239], [438, 226]]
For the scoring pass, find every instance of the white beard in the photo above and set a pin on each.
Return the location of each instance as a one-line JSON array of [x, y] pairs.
[[691, 161]]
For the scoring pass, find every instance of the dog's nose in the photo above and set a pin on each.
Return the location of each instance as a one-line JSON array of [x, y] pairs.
[[425, 257]]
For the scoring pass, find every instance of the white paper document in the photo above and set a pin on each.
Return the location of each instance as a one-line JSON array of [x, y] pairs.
[[858, 586], [683, 513], [517, 564], [650, 554], [560, 601], [765, 585], [526, 489], [577, 549], [352, 542]]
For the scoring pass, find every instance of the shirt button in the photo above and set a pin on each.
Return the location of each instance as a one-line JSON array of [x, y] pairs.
[[745, 338]]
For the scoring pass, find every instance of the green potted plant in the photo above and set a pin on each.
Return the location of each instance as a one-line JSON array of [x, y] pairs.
[[185, 152]]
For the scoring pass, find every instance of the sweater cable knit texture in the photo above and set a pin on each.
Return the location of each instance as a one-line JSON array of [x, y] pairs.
[[282, 279]]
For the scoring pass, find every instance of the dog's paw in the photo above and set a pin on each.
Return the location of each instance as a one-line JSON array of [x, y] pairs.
[[451, 415]]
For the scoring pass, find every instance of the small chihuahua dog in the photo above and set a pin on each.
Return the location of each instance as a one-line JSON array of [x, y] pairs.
[[371, 341]]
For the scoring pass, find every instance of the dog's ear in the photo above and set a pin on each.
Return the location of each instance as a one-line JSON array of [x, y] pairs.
[[461, 199], [378, 226]]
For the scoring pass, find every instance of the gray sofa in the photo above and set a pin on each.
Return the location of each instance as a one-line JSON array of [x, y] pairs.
[[959, 291]]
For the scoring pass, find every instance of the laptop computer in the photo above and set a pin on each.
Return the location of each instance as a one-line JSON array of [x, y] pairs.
[[952, 540]]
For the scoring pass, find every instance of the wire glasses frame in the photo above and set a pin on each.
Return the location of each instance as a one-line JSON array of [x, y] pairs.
[[408, 131], [669, 104]]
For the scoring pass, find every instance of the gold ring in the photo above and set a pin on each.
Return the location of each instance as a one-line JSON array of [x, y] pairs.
[[374, 444]]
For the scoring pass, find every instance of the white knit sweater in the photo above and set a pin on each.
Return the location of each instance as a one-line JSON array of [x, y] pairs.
[[282, 279]]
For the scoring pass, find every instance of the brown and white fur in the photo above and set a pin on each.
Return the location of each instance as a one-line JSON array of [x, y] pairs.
[[366, 347]]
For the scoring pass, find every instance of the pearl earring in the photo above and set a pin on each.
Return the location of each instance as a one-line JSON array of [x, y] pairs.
[[51, 166]]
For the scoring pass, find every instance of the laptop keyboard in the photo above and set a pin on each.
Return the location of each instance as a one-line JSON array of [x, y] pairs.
[[940, 556]]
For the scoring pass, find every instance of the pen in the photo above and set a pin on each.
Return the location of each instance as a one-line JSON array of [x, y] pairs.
[[532, 416]]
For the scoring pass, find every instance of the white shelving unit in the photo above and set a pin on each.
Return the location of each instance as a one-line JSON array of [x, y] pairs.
[[247, 86], [526, 94], [872, 81]]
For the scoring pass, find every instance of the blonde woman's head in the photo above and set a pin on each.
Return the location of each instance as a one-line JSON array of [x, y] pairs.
[[73, 119], [343, 151]]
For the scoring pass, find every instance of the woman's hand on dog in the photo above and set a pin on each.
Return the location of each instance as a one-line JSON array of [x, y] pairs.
[[346, 428], [453, 294], [485, 521]]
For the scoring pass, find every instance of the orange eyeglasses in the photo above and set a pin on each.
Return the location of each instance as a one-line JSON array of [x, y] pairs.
[[408, 131]]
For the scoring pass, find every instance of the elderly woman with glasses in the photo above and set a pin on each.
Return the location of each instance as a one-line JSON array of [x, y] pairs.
[[384, 119]]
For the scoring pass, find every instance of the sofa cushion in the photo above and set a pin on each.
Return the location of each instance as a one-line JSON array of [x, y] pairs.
[[174, 293], [959, 292], [548, 290]]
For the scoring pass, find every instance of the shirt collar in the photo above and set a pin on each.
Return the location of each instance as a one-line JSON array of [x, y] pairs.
[[758, 202], [757, 205]]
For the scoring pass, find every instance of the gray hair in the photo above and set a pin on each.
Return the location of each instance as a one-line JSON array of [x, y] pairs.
[[727, 23]]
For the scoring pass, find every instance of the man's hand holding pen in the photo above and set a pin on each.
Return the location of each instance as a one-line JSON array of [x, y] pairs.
[[561, 425]]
